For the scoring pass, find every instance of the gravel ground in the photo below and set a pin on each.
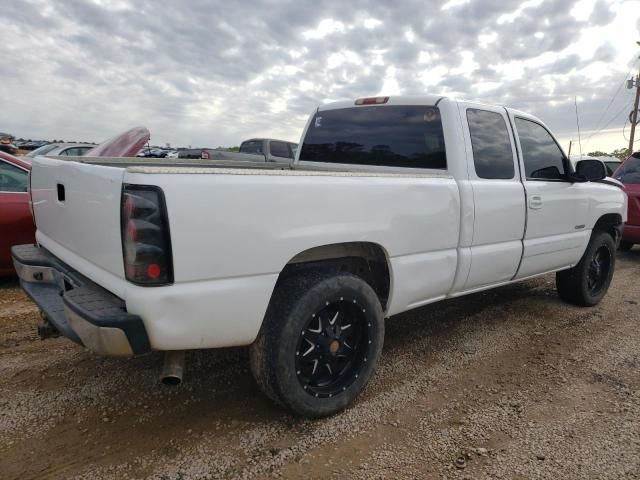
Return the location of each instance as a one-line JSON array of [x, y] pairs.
[[510, 383]]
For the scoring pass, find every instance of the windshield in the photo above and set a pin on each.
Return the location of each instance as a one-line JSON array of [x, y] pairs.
[[42, 150], [629, 171], [394, 136]]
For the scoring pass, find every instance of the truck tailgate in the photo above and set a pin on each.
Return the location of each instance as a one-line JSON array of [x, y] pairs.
[[77, 207]]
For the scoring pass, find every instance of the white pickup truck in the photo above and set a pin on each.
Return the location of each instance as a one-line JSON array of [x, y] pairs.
[[392, 203]]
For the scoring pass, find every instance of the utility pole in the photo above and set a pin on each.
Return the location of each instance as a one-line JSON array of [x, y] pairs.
[[634, 112]]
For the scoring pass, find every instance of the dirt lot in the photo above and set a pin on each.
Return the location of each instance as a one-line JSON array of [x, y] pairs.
[[510, 383]]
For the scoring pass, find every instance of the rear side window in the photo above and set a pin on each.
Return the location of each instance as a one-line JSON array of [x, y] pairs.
[[12, 178], [280, 149], [393, 136], [42, 150], [75, 151], [492, 153], [629, 171], [251, 147], [543, 159]]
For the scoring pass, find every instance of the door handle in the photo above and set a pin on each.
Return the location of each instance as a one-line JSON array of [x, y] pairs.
[[535, 202]]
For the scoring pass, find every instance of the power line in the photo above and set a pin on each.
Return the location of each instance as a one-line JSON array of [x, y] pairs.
[[624, 107], [575, 102], [624, 80]]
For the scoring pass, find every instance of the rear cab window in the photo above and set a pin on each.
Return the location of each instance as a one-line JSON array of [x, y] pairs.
[[389, 136]]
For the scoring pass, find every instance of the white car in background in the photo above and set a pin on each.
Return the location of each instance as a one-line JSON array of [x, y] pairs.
[[611, 164], [61, 149]]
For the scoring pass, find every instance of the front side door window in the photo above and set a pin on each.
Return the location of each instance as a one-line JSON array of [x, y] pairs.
[[543, 159]]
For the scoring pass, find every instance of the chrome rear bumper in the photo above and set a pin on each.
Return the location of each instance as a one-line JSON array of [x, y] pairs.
[[81, 310]]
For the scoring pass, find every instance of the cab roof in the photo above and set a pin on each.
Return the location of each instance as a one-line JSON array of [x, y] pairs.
[[429, 100]]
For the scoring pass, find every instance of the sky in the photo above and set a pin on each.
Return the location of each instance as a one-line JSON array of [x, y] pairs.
[[211, 73]]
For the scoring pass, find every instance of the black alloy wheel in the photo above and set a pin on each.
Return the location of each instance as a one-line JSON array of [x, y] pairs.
[[587, 282], [319, 343], [333, 348], [599, 270]]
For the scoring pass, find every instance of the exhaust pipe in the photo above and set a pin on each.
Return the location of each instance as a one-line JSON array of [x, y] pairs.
[[173, 367], [47, 330]]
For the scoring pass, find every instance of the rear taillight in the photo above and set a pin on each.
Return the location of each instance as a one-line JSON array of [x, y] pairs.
[[146, 242]]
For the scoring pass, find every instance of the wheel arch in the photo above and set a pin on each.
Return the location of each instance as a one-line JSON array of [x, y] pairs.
[[367, 260], [610, 223]]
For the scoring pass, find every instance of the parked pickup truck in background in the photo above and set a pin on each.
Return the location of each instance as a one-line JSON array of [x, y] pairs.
[[392, 203], [253, 150]]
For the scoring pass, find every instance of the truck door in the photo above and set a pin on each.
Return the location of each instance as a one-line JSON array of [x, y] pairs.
[[498, 194], [557, 209], [16, 222]]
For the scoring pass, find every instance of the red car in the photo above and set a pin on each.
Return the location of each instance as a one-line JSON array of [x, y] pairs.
[[629, 174], [16, 222]]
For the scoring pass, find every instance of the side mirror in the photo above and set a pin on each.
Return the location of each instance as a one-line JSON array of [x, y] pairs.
[[591, 170]]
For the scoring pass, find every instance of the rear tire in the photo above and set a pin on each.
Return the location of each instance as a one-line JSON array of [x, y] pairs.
[[587, 283], [319, 343], [625, 246]]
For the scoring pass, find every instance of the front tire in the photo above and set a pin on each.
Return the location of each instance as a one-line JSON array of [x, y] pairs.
[[587, 283], [319, 343]]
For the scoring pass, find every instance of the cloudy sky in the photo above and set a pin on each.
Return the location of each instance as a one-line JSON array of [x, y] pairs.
[[208, 73]]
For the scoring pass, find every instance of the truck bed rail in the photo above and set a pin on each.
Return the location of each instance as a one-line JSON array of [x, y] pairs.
[[174, 162]]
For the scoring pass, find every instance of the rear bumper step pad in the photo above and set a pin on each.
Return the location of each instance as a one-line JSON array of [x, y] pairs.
[[81, 310]]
